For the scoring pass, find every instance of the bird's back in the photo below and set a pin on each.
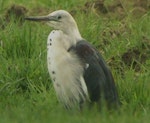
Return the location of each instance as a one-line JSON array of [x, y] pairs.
[[97, 76]]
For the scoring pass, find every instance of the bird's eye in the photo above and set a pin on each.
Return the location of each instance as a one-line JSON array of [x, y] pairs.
[[59, 17]]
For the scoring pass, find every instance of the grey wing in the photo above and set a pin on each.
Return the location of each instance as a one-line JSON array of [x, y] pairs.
[[97, 75]]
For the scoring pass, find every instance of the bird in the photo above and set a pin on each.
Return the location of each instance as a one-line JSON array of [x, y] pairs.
[[78, 71]]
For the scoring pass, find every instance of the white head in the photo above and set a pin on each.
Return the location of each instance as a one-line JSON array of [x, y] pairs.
[[60, 20]]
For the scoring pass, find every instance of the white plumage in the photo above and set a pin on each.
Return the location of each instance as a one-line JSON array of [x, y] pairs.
[[66, 70]]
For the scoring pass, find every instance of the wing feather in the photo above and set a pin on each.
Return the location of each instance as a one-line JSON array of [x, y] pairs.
[[98, 77]]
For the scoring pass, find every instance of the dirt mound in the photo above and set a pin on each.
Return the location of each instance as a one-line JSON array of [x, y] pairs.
[[120, 8], [15, 13], [132, 58]]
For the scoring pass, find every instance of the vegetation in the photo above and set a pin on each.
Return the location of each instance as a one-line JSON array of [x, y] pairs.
[[119, 29]]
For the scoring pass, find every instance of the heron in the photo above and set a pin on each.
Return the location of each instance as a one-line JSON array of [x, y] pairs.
[[78, 71]]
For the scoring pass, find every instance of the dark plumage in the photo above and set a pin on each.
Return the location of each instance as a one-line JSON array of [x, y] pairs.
[[97, 76]]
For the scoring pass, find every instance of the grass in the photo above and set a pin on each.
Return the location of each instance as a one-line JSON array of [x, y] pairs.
[[26, 91]]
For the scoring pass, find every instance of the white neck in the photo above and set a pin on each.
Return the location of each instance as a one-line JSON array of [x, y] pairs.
[[73, 33]]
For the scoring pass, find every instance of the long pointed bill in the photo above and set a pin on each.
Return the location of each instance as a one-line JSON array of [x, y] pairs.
[[41, 18]]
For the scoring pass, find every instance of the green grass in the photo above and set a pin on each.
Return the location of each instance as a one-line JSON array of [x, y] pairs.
[[26, 91]]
